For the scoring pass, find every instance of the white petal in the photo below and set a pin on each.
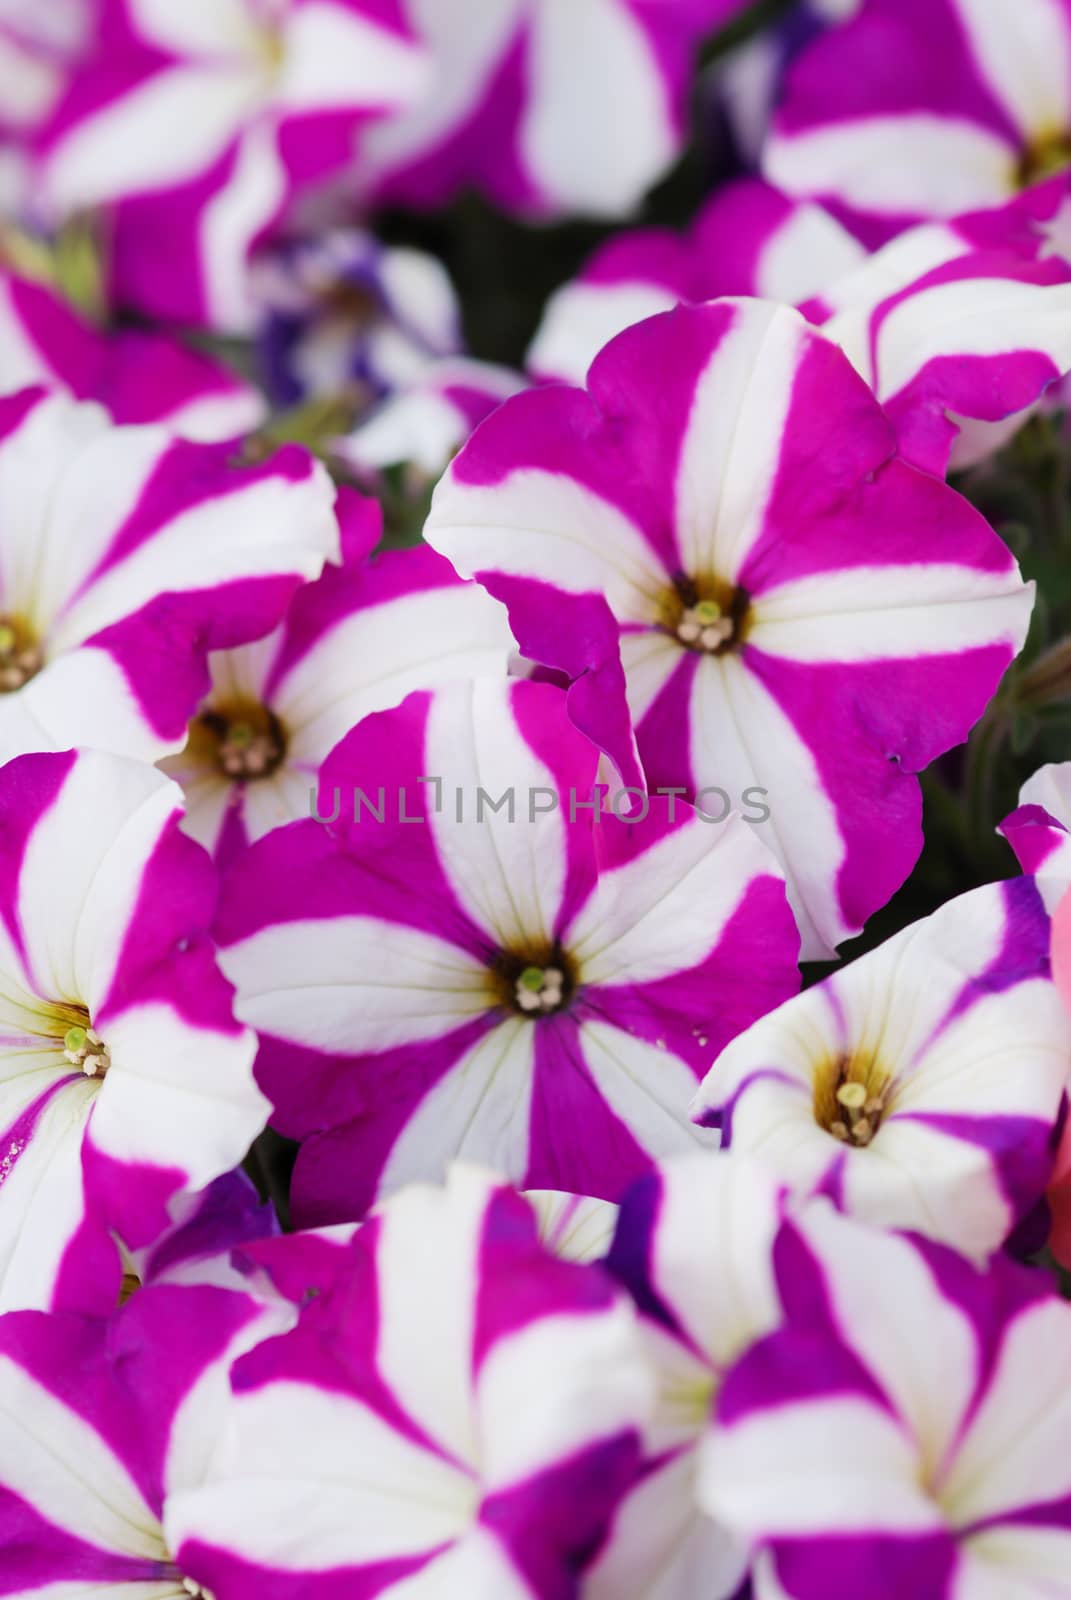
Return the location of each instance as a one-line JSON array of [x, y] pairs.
[[372, 659], [197, 27], [557, 1386], [42, 1203], [1025, 60], [650, 657], [177, 1096], [942, 166], [665, 910], [468, 39], [58, 1464], [549, 527], [971, 317], [1050, 788], [363, 1492], [581, 318], [82, 873], [742, 739], [478, 1111], [732, 447], [55, 436], [649, 1089], [889, 613], [508, 874], [170, 128], [918, 1346], [230, 222], [573, 1226], [808, 253], [584, 68], [711, 1252], [661, 1546], [1013, 1454], [353, 984], [273, 526], [427, 1275], [338, 58], [837, 1464]]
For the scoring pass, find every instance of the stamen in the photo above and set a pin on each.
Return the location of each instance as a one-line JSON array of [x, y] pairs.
[[245, 741], [20, 657], [703, 626], [540, 990], [84, 1048], [852, 1095]]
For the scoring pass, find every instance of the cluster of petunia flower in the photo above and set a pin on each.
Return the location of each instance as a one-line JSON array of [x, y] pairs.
[[475, 874]]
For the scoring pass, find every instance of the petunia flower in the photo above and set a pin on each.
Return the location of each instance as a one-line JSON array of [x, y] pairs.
[[694, 1247], [343, 314], [125, 557], [458, 1417], [104, 1422], [1039, 831], [138, 375], [749, 239], [723, 516], [358, 640], [485, 966], [923, 109], [201, 122], [40, 45], [126, 1085], [923, 1085], [959, 329], [425, 422], [904, 1432], [547, 109]]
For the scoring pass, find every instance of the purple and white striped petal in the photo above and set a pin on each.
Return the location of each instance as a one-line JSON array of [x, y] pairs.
[[902, 1432], [342, 313], [459, 1418], [125, 557], [104, 1420], [919, 109], [138, 376], [425, 423], [467, 957], [546, 110], [125, 1083], [747, 240], [693, 1246], [1038, 831], [202, 128], [921, 1086], [944, 332], [723, 515], [357, 641]]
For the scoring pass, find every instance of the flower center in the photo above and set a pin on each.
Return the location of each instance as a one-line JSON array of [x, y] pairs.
[[1044, 158], [706, 615], [194, 1590], [84, 1048], [532, 984], [851, 1096], [244, 740], [20, 654]]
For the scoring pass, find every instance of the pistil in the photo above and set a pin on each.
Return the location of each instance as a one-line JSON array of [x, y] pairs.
[[540, 990], [862, 1114], [84, 1048], [704, 626]]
